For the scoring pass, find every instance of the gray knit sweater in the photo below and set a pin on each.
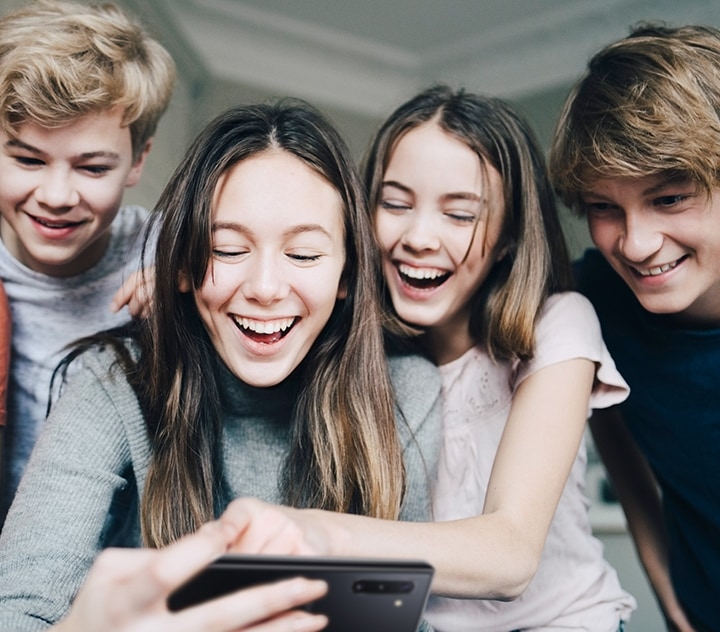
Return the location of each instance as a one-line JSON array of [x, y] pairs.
[[80, 491]]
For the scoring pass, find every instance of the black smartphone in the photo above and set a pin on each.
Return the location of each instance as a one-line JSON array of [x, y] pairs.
[[363, 594]]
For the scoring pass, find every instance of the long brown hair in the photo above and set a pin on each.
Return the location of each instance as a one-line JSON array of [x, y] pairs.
[[536, 263], [344, 453]]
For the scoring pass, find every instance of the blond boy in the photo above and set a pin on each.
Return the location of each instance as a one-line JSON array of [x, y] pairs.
[[81, 91]]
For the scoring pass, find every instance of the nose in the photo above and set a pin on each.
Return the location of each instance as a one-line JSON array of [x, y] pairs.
[[56, 190], [266, 282], [421, 233], [640, 239]]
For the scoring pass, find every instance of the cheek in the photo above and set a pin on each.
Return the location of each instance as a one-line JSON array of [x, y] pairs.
[[388, 231], [102, 195], [13, 188], [602, 233], [217, 289]]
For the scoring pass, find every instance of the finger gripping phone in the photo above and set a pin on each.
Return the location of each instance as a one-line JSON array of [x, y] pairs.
[[363, 595]]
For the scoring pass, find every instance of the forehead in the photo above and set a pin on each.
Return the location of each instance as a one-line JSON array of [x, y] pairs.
[[429, 150], [431, 160], [93, 133], [277, 188], [649, 185]]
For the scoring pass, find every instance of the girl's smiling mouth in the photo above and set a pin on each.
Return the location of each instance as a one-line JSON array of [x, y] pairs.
[[265, 331], [422, 277]]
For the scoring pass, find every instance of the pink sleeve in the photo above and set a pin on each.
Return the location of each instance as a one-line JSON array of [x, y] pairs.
[[568, 328]]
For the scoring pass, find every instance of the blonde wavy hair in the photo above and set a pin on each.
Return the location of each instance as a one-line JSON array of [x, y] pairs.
[[648, 104], [63, 60]]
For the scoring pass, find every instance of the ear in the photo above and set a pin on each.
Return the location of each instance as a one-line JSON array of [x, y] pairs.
[[502, 253], [342, 289], [136, 170], [184, 284]]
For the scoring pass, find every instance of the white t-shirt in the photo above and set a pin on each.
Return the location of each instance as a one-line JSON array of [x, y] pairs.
[[47, 314], [574, 587]]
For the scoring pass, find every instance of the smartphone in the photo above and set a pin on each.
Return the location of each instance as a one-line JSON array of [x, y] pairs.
[[363, 594]]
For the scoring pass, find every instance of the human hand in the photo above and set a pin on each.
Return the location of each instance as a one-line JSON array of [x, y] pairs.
[[136, 292], [127, 590], [276, 530], [677, 621]]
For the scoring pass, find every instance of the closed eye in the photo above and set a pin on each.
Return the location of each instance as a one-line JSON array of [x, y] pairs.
[[393, 205], [29, 161], [227, 253], [96, 170], [462, 217], [304, 257]]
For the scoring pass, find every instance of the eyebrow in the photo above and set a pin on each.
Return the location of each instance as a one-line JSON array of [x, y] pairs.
[[678, 181], [17, 143], [460, 195], [295, 230]]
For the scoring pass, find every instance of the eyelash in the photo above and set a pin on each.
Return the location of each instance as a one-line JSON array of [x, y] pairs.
[[389, 206], [227, 254], [305, 257], [95, 170]]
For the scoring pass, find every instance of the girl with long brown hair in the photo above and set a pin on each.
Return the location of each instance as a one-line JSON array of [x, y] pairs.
[[259, 371]]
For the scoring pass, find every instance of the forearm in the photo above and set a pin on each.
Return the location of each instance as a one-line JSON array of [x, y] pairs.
[[484, 557], [639, 496]]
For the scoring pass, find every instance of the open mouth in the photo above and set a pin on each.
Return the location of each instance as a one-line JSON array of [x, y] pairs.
[[265, 331], [422, 278], [54, 224], [658, 270]]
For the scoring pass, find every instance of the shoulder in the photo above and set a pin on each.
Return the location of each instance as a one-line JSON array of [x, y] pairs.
[[411, 371], [595, 279], [566, 313], [129, 227], [131, 217], [417, 383], [589, 268], [102, 367], [569, 329]]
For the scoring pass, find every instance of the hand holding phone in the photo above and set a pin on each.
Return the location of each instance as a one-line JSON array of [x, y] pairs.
[[377, 595], [127, 589]]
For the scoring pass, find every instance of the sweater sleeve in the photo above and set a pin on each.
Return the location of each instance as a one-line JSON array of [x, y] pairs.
[[62, 513]]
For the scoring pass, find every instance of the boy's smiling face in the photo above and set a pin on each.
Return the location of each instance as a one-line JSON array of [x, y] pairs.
[[662, 236], [61, 188]]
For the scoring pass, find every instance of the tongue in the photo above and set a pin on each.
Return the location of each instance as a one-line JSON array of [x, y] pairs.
[[422, 284], [263, 338]]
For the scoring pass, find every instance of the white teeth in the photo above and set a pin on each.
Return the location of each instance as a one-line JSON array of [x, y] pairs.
[[421, 273], [265, 326], [658, 269], [55, 224]]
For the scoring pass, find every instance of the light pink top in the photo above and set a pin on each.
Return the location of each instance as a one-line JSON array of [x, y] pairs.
[[574, 588]]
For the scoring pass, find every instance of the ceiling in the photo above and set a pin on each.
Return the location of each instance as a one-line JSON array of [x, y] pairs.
[[365, 56]]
